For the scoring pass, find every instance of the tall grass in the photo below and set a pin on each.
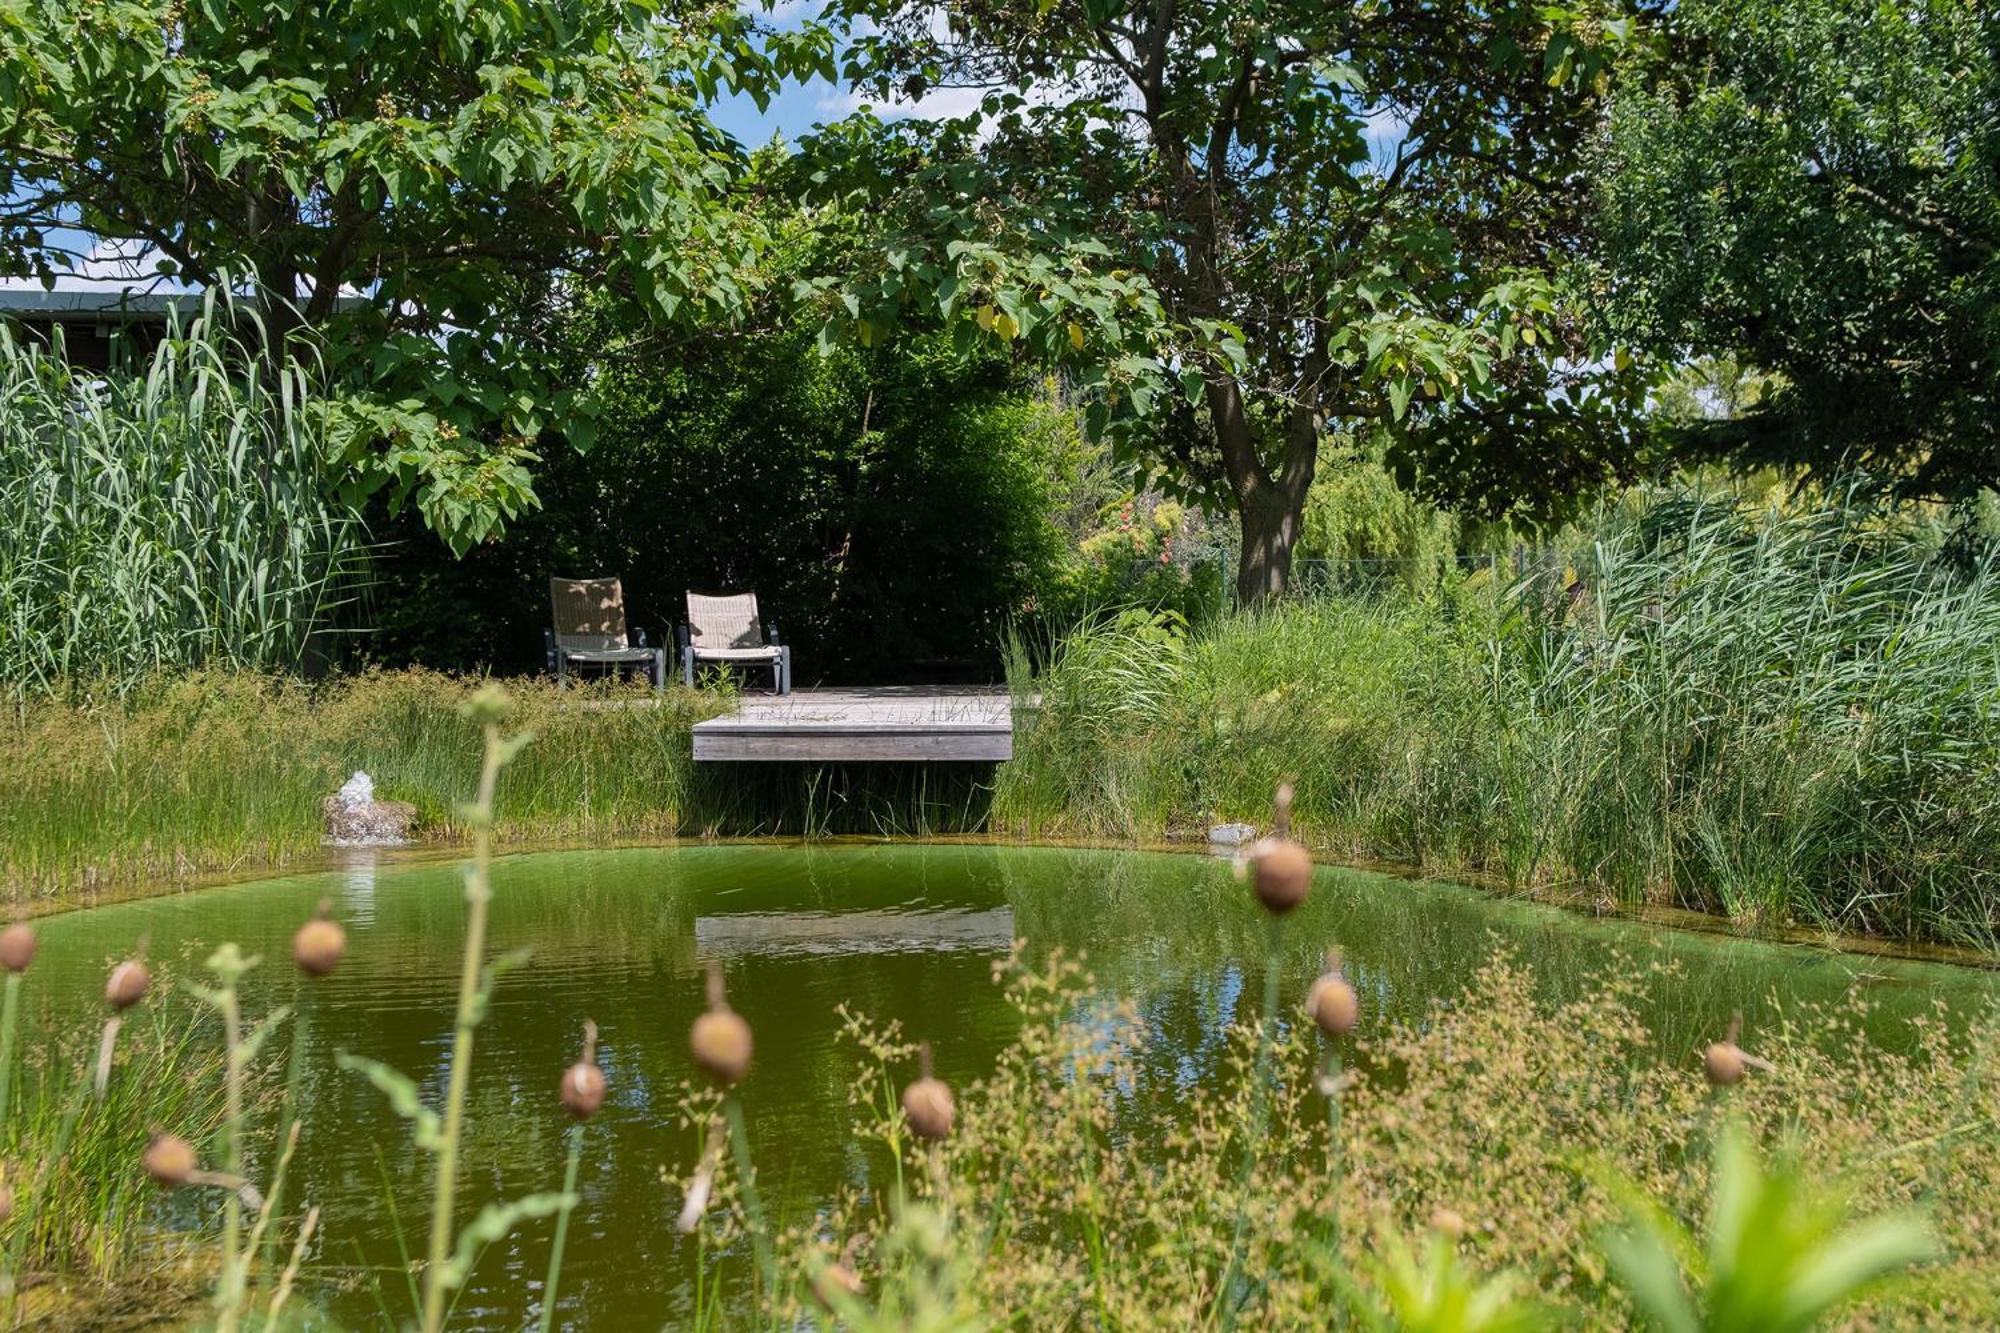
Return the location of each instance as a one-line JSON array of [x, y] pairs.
[[82, 1215], [220, 770], [174, 518], [1784, 715]]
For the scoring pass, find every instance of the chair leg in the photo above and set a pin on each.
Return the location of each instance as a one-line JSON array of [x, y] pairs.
[[785, 669], [562, 671], [659, 671], [687, 667]]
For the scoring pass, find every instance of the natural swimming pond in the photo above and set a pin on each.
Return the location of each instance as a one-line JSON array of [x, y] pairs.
[[896, 932]]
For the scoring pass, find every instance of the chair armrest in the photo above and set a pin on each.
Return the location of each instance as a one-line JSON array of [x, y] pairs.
[[771, 633], [681, 640]]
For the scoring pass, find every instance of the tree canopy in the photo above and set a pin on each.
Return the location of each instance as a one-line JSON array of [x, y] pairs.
[[417, 182], [1245, 224], [1813, 186]]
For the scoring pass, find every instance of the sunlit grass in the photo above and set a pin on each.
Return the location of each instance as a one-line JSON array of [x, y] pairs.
[[1785, 717]]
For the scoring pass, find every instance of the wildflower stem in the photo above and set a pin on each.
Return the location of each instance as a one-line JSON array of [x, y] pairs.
[[562, 1228], [478, 893], [10, 1014], [229, 1289], [288, 1121], [1226, 1297], [753, 1206], [1331, 1081]]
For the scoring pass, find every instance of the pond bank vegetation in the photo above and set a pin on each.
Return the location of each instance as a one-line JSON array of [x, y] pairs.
[[1784, 715]]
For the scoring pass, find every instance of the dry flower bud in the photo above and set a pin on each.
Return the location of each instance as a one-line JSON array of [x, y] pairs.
[[1724, 1060], [927, 1103], [319, 945], [170, 1159], [1335, 1006], [720, 1038], [583, 1082], [17, 946], [1280, 869], [1447, 1222], [6, 1202], [128, 984]]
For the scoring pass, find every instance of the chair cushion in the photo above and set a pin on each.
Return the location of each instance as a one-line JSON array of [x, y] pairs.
[[702, 654], [609, 654]]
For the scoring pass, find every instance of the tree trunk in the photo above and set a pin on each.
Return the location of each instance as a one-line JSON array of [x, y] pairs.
[[1270, 521], [1269, 508]]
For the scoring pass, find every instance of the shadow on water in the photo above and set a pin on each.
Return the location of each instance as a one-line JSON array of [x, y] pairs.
[[797, 800], [897, 932]]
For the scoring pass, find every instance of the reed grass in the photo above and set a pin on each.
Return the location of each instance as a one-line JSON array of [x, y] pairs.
[[228, 770], [1784, 715], [176, 518]]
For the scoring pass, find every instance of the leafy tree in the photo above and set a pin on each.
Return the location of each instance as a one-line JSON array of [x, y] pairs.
[[1813, 186], [421, 183], [1245, 224]]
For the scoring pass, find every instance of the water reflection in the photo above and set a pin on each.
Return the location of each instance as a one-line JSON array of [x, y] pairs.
[[861, 932]]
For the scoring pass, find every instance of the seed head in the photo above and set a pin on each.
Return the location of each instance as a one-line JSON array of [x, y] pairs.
[[1280, 869], [320, 944], [1448, 1223], [927, 1103], [836, 1282], [128, 984], [1334, 1005], [6, 1202], [1724, 1061], [17, 946], [720, 1039], [583, 1082], [170, 1159]]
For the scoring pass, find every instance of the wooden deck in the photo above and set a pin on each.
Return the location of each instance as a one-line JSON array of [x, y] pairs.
[[889, 723]]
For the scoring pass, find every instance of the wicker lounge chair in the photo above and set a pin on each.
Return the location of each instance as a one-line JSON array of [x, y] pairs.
[[589, 631], [725, 630]]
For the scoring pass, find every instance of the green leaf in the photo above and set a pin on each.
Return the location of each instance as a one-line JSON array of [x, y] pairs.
[[404, 1100], [494, 1222]]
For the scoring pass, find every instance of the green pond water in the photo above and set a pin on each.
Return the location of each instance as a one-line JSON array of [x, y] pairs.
[[903, 932]]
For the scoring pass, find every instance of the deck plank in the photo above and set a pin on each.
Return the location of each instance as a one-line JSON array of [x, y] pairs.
[[874, 724]]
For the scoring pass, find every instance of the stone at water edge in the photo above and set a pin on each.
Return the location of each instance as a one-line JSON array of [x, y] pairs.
[[355, 817], [1232, 835]]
